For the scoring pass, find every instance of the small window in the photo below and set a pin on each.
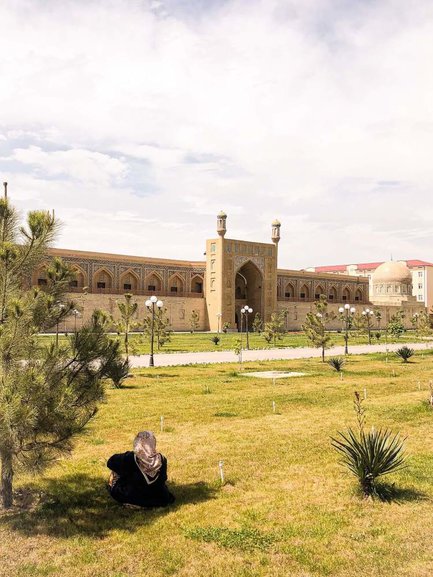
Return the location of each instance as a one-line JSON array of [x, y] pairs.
[[317, 296], [357, 298], [100, 285], [331, 297], [173, 289], [344, 297], [73, 284], [302, 295], [151, 287], [127, 286], [420, 273], [42, 281], [198, 287], [420, 285], [287, 295]]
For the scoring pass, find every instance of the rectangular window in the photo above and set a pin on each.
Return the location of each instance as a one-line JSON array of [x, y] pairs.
[[357, 298], [151, 287], [73, 284], [127, 287], [420, 298], [420, 285], [198, 287], [100, 285], [331, 297], [213, 247], [317, 296], [42, 281], [344, 297], [420, 273], [287, 295], [173, 289], [302, 295]]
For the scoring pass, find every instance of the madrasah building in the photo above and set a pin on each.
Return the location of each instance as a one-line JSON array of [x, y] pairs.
[[236, 273]]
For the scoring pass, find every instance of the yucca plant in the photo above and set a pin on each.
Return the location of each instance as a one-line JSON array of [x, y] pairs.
[[371, 455], [405, 353], [336, 363]]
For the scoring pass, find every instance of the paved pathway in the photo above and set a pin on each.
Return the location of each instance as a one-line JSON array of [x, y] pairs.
[[173, 359]]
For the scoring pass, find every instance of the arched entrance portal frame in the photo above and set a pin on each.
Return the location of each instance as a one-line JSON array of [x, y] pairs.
[[248, 291]]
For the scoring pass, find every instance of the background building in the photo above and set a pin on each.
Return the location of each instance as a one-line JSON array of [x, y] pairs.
[[422, 276], [235, 273]]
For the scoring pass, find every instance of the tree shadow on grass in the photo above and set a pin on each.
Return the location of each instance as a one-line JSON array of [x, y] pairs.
[[81, 505]]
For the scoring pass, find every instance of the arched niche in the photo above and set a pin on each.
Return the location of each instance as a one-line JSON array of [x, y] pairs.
[[129, 281], [103, 280], [80, 278], [153, 283], [358, 295], [289, 291], [332, 294], [318, 292], [176, 284], [197, 284], [346, 294], [249, 289], [304, 292]]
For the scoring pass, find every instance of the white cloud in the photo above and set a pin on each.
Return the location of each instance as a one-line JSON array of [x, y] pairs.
[[263, 108]]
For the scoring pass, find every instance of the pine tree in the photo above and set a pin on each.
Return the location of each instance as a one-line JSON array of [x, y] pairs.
[[316, 323], [125, 324], [275, 328], [47, 392], [257, 323], [194, 321], [162, 328]]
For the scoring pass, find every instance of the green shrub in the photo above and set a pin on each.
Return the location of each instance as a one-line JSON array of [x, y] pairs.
[[405, 353], [118, 371], [216, 340], [370, 455], [336, 363]]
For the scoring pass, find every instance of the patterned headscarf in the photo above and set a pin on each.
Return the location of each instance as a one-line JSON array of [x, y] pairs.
[[148, 460]]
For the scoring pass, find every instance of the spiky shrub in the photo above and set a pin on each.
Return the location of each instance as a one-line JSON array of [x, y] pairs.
[[336, 363], [405, 353], [118, 372], [215, 340], [369, 456]]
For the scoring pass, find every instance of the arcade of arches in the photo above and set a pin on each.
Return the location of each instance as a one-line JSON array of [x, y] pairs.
[[235, 273]]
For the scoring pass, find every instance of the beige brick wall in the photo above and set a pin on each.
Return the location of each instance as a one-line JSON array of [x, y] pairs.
[[178, 309]]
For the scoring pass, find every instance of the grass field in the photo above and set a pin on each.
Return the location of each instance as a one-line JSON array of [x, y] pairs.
[[200, 342], [288, 508]]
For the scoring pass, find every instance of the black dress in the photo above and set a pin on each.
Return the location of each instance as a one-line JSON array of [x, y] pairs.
[[131, 486]]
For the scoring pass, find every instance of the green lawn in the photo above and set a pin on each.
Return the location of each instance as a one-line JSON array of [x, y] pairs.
[[198, 342], [288, 508]]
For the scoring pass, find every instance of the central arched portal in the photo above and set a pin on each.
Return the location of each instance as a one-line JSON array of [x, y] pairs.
[[248, 291]]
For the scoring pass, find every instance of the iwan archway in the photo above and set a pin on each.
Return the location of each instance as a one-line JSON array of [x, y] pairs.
[[248, 291]]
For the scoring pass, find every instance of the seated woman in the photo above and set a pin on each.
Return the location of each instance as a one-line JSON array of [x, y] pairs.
[[138, 477]]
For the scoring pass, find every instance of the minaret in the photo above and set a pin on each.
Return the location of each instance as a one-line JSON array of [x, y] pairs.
[[221, 223], [276, 225]]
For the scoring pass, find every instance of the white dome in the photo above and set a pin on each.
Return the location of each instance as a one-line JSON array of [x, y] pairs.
[[392, 272]]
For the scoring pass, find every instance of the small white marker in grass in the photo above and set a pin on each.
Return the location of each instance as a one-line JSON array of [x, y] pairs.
[[274, 406], [221, 467], [341, 375], [273, 381], [365, 393], [161, 423], [419, 385]]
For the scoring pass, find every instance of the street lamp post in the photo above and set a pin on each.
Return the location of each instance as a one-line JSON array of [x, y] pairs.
[[346, 315], [368, 315], [76, 314], [151, 304], [245, 311], [219, 315]]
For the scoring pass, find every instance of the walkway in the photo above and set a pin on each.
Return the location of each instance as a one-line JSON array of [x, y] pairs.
[[175, 359]]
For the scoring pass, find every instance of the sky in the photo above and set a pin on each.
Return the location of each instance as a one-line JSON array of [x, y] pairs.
[[139, 120]]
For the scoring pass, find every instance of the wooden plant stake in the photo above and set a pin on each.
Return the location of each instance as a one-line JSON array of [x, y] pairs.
[[365, 393], [161, 423], [221, 468], [273, 406]]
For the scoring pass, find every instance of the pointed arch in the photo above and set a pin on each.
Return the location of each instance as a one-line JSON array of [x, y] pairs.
[[176, 284], [153, 282], [318, 292], [80, 278], [103, 280], [289, 290], [304, 292], [197, 284], [359, 295], [40, 277], [129, 281], [346, 295], [332, 294]]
